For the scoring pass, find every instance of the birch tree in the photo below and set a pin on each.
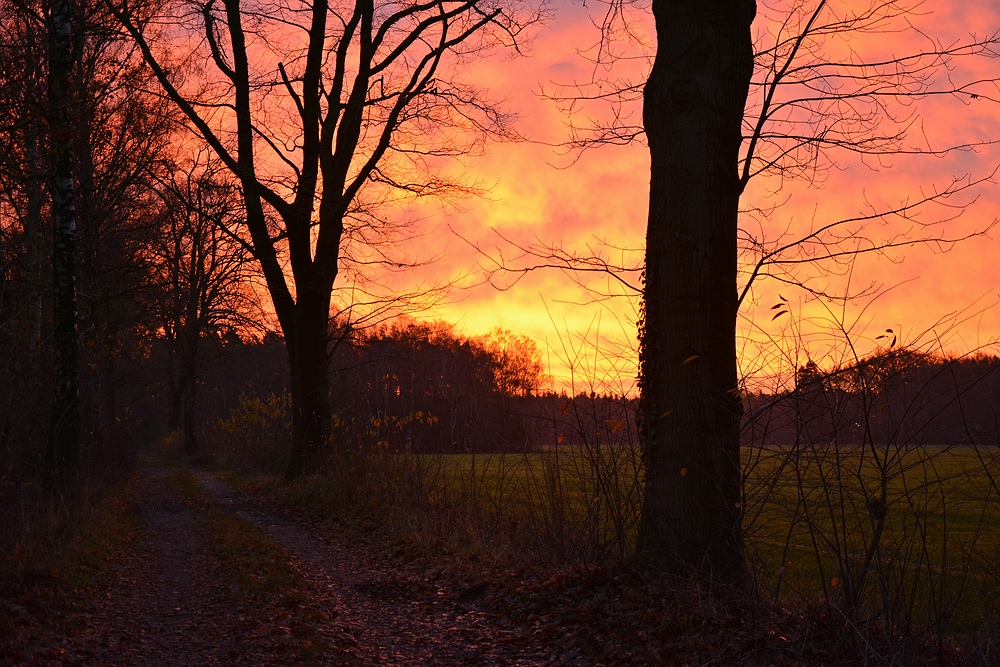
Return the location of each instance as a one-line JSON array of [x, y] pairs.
[[64, 438]]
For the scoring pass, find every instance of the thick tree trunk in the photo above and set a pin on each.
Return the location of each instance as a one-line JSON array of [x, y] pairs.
[[64, 438], [309, 359], [690, 403]]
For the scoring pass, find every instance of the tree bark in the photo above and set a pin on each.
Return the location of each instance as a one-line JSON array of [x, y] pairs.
[[309, 360], [64, 437], [190, 407], [690, 403]]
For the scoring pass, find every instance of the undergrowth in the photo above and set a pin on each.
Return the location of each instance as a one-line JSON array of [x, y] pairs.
[[60, 564], [74, 545]]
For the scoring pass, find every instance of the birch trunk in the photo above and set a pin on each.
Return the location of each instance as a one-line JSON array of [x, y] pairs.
[[64, 439]]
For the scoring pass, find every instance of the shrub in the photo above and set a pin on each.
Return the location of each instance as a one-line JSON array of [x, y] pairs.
[[256, 435]]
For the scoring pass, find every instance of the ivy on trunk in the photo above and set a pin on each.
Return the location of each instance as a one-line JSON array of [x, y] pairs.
[[690, 403]]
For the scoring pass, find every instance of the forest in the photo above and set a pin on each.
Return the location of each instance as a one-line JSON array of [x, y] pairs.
[[232, 431]]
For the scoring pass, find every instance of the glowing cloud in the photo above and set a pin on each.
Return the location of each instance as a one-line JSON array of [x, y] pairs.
[[538, 194]]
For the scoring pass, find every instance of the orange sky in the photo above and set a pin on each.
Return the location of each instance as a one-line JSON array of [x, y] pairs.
[[537, 195]]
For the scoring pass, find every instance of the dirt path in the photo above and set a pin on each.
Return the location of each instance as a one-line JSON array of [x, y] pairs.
[[215, 576], [164, 607], [168, 605], [393, 616]]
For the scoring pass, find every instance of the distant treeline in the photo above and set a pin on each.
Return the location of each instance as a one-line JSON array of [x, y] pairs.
[[900, 397], [426, 388], [408, 385]]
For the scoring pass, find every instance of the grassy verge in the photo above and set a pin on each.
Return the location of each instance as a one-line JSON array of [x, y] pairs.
[[425, 534], [60, 566], [816, 525], [273, 595]]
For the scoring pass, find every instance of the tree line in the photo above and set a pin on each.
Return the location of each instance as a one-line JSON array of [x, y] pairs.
[[424, 388], [453, 393], [147, 258], [898, 397]]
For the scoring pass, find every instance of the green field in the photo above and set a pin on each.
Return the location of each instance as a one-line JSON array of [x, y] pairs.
[[910, 536]]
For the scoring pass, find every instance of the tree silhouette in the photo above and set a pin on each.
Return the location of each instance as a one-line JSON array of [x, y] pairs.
[[517, 362], [85, 121], [201, 278], [64, 47], [737, 92], [707, 141], [690, 402], [327, 115]]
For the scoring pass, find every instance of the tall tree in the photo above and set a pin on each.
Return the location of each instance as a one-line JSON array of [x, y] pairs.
[[94, 125], [332, 108], [120, 133], [721, 106], [22, 152], [690, 404], [201, 278], [64, 438], [719, 110]]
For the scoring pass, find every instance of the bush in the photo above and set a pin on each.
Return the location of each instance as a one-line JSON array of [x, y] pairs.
[[256, 435]]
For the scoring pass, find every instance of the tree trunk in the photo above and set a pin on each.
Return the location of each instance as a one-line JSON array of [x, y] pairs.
[[190, 401], [190, 391], [189, 337], [690, 403], [64, 438], [33, 230], [175, 386], [98, 327], [308, 358]]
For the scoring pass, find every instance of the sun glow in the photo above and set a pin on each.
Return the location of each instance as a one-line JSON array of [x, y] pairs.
[[543, 196]]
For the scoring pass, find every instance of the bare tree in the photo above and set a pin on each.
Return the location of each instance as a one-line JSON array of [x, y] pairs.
[[201, 277], [120, 132], [99, 136], [64, 438], [322, 112], [690, 403], [724, 103], [22, 168], [805, 106]]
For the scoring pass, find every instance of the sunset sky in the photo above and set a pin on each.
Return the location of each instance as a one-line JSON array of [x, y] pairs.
[[538, 194]]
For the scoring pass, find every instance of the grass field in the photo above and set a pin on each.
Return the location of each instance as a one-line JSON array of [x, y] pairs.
[[907, 535]]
